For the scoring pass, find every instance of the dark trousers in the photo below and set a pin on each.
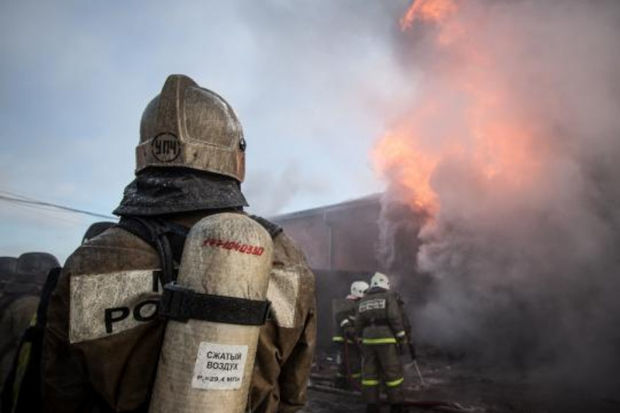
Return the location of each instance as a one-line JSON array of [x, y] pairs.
[[350, 367], [382, 365]]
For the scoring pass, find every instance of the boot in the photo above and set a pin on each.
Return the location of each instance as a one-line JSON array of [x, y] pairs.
[[372, 408], [342, 383], [397, 408]]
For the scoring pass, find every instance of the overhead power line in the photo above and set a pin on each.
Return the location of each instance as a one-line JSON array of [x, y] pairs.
[[18, 199]]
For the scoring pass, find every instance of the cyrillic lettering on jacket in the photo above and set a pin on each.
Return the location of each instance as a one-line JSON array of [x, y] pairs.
[[374, 304], [105, 304]]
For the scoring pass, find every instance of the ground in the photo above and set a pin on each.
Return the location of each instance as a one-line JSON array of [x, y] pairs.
[[457, 387]]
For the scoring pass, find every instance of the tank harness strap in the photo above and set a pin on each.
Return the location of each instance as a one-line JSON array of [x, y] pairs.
[[272, 229], [48, 288], [166, 237], [181, 304]]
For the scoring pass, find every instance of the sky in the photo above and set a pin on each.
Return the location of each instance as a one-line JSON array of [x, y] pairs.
[[314, 83]]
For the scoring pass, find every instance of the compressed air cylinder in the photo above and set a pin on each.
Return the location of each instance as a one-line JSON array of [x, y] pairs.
[[206, 366]]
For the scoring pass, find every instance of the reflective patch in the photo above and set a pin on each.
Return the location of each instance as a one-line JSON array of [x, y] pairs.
[[219, 366], [395, 383], [283, 293], [109, 303], [374, 304], [384, 340]]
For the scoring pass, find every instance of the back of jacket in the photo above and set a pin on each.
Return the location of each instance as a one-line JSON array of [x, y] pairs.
[[379, 317], [103, 335]]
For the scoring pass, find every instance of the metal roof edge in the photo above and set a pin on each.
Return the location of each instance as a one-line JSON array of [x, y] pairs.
[[368, 199]]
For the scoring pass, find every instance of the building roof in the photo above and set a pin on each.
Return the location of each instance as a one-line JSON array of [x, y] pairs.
[[369, 200]]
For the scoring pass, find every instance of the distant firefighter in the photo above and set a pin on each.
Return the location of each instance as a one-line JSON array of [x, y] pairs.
[[382, 326], [349, 368]]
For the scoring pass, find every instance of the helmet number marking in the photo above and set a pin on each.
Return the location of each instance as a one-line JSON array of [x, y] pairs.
[[166, 147]]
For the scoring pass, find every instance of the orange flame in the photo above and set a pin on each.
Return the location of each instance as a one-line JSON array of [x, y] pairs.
[[427, 10], [411, 166], [466, 112]]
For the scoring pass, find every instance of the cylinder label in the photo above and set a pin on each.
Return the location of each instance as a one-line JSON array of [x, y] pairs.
[[219, 366]]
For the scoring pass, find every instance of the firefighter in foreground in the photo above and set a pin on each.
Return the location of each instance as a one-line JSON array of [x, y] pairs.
[[349, 367], [126, 333], [382, 327]]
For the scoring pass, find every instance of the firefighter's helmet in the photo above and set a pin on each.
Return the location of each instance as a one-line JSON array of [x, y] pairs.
[[380, 280], [358, 289], [191, 127]]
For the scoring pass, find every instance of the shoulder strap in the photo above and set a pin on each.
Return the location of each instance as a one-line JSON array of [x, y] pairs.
[[272, 228], [50, 284], [166, 237]]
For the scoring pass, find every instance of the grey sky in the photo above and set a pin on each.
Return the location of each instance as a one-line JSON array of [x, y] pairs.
[[314, 84]]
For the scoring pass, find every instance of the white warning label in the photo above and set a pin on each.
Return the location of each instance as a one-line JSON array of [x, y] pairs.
[[219, 366]]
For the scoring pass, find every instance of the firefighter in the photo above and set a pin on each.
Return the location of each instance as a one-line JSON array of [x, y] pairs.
[[349, 358], [105, 325], [381, 325], [23, 280]]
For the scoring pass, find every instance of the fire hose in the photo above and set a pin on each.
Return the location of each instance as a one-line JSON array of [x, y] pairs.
[[424, 404], [414, 361]]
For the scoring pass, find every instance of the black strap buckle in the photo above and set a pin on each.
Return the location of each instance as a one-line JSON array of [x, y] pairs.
[[175, 302]]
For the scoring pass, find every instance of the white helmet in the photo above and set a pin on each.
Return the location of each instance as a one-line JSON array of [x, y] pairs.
[[358, 289], [380, 280]]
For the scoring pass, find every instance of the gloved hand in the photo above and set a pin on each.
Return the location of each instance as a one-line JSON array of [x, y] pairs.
[[349, 334], [402, 344]]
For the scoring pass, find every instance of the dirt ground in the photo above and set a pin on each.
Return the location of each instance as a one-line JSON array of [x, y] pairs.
[[459, 388]]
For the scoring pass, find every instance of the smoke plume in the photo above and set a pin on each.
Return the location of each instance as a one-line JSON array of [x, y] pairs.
[[512, 150]]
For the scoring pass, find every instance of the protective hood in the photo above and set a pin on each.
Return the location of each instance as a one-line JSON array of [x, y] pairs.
[[158, 191]]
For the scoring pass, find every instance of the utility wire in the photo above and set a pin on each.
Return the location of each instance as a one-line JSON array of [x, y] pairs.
[[58, 216], [18, 199]]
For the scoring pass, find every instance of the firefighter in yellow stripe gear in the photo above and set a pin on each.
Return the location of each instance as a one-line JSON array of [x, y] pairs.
[[381, 325], [350, 361]]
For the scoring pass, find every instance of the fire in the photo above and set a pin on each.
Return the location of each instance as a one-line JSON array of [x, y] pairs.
[[411, 166], [428, 10], [467, 114]]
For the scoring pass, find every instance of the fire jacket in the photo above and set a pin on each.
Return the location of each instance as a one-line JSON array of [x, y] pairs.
[[344, 320], [106, 362], [14, 319], [380, 319]]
